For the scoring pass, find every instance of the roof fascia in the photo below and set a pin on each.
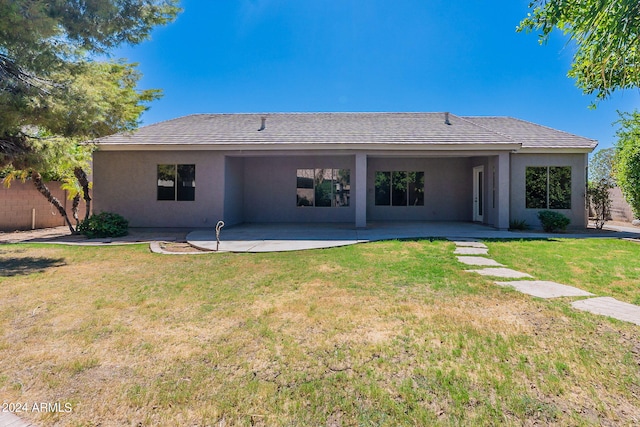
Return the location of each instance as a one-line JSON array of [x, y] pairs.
[[310, 147], [556, 150]]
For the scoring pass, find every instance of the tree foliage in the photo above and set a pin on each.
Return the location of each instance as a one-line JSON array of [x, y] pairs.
[[606, 35], [47, 77], [627, 159], [54, 94], [601, 167]]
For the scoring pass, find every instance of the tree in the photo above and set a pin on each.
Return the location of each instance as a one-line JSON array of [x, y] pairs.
[[606, 34], [627, 159], [53, 94], [601, 166]]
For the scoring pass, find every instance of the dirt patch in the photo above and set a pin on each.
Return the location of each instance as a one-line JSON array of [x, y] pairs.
[[45, 233], [63, 235], [179, 247]]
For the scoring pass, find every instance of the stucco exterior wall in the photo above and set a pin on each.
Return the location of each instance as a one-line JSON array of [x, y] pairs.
[[447, 189], [519, 162], [126, 183], [239, 188], [234, 190], [491, 191], [270, 189]]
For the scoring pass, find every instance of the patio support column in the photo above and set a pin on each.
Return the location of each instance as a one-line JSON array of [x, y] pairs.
[[503, 191], [361, 190]]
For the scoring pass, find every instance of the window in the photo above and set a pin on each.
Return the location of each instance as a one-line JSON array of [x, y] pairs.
[[399, 188], [177, 182], [323, 187], [548, 187]]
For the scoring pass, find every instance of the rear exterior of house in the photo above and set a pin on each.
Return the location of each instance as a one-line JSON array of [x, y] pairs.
[[340, 167]]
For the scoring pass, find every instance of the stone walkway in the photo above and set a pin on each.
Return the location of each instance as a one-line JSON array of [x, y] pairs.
[[605, 306], [7, 419]]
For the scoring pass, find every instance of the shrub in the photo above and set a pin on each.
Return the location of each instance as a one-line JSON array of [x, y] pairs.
[[600, 201], [517, 224], [104, 224], [553, 221]]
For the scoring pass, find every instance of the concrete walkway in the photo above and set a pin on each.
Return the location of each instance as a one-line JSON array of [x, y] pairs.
[[545, 289], [7, 419], [605, 306], [293, 237], [610, 307]]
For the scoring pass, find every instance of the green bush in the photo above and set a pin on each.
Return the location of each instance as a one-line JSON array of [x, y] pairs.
[[553, 221], [600, 201], [104, 224], [517, 224], [627, 159]]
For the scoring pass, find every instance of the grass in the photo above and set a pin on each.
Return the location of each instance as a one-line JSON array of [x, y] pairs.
[[388, 333], [605, 267]]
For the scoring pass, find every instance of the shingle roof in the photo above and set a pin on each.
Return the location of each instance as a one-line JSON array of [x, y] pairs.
[[532, 135], [346, 128]]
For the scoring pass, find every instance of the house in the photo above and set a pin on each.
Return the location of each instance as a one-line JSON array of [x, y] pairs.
[[341, 167]]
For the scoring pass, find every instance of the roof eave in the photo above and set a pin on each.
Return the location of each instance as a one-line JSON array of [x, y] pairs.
[[309, 147], [556, 150]]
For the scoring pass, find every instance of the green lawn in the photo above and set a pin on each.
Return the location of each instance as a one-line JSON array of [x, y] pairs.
[[389, 333], [605, 267]]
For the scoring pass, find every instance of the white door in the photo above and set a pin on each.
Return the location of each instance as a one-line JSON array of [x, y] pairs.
[[478, 193]]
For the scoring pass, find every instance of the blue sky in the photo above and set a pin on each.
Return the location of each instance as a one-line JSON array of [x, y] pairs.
[[229, 56]]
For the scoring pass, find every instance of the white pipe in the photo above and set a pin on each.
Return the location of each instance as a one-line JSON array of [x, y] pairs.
[[33, 218]]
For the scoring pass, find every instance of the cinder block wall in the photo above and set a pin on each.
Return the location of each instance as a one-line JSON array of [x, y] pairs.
[[18, 202], [620, 209]]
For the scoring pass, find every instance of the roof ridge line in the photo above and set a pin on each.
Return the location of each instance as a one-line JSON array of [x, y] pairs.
[[553, 129], [510, 138]]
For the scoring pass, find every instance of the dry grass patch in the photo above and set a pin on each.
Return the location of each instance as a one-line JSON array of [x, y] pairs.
[[390, 333]]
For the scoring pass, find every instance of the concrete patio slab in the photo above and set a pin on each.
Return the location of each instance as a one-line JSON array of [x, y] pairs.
[[7, 419], [471, 251], [275, 241], [610, 307], [545, 289], [469, 244], [261, 237], [500, 272], [253, 236], [478, 260]]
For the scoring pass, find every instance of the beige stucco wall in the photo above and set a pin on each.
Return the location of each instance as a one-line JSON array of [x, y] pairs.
[[234, 190], [519, 162], [447, 189], [270, 189], [239, 188], [126, 183]]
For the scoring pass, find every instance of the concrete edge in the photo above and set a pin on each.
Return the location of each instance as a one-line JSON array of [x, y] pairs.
[[156, 248]]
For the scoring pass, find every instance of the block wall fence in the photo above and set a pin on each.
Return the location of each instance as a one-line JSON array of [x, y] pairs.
[[22, 207], [620, 209]]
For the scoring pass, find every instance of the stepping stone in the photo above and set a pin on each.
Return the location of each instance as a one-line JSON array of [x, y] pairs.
[[478, 260], [470, 244], [545, 289], [611, 307], [7, 419], [500, 272], [471, 251]]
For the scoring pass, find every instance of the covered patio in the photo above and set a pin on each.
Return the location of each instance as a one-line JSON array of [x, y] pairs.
[[271, 237]]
